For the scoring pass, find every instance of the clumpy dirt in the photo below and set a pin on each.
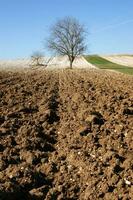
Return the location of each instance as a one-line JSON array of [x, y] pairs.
[[66, 134]]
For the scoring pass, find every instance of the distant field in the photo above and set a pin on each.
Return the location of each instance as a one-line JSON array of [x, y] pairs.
[[57, 62], [126, 60], [105, 64]]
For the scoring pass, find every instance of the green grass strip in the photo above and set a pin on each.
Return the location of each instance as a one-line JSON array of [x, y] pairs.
[[102, 63]]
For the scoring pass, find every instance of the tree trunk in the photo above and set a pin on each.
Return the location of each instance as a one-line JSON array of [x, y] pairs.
[[37, 63], [71, 64], [71, 59]]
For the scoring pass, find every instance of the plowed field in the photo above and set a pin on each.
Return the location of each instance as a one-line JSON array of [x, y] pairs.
[[66, 134]]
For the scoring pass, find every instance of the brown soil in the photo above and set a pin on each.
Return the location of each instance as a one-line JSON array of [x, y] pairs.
[[66, 135]]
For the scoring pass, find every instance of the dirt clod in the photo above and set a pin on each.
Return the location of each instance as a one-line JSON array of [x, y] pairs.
[[66, 134]]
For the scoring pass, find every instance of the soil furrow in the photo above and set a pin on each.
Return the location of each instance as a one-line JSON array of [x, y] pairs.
[[66, 134]]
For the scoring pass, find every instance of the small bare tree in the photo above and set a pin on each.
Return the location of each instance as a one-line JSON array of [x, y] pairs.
[[67, 38], [37, 59]]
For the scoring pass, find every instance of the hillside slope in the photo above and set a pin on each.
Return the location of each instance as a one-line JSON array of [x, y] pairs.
[[57, 62], [104, 63], [126, 60]]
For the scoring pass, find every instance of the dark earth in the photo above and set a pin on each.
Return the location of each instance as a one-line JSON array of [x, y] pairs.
[[66, 135]]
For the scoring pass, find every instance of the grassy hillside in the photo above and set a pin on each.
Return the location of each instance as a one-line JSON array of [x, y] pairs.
[[105, 64]]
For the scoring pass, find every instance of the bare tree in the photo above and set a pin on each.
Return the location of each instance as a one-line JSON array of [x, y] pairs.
[[37, 58], [67, 38]]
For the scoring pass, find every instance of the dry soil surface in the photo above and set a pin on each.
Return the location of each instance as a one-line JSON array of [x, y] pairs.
[[66, 135]]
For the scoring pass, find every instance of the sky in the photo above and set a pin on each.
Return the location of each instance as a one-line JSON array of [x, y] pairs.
[[24, 25]]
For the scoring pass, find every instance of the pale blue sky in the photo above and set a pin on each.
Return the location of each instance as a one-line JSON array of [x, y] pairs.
[[24, 24]]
